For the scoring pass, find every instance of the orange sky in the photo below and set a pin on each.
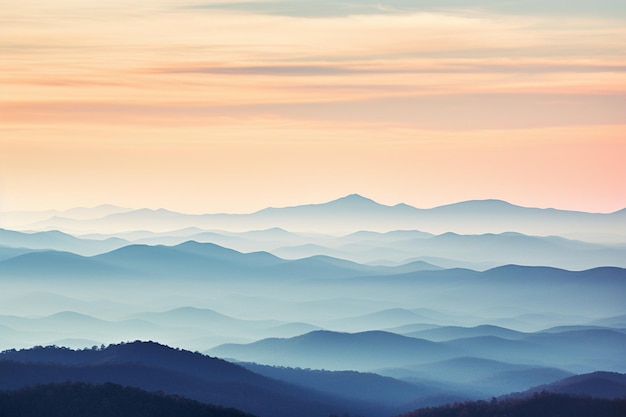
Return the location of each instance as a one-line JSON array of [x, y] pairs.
[[211, 109]]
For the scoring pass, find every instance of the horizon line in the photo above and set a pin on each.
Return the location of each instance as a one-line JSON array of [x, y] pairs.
[[343, 197]]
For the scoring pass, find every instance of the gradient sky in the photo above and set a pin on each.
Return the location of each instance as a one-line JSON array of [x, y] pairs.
[[227, 106]]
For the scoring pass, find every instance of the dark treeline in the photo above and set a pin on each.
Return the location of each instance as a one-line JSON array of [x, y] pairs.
[[542, 404], [106, 400]]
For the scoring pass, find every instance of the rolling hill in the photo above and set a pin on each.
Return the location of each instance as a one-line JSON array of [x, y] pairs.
[[338, 351], [577, 351], [59, 241], [540, 405], [155, 367], [105, 400], [596, 384]]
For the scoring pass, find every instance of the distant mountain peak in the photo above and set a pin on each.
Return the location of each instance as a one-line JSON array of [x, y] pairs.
[[195, 243], [354, 198], [490, 202], [104, 206], [349, 202], [403, 205], [159, 210], [275, 229]]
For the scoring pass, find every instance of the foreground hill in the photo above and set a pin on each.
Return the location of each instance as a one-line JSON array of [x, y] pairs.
[[107, 400], [369, 387], [596, 384], [155, 367], [539, 405]]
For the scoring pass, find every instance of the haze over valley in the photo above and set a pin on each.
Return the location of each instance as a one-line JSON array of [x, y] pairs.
[[313, 208], [422, 318]]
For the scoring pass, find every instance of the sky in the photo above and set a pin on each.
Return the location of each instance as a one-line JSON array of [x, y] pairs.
[[232, 106]]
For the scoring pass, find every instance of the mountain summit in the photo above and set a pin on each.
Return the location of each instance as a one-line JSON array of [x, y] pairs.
[[353, 200], [349, 202]]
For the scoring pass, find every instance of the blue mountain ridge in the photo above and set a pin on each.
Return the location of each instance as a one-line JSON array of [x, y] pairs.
[[153, 367], [367, 351], [191, 258]]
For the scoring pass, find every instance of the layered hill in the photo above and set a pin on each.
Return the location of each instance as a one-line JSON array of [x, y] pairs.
[[596, 384], [540, 405], [576, 351], [155, 367], [189, 259], [104, 400], [354, 213]]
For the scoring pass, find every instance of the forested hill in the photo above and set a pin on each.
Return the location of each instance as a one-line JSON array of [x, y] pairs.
[[154, 367], [106, 400], [543, 404]]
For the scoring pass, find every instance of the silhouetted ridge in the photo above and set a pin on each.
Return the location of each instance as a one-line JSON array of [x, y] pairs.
[[139, 352], [106, 400], [540, 405], [367, 387], [155, 367], [596, 384]]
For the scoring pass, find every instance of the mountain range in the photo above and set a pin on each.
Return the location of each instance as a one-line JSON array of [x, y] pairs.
[[205, 266], [574, 351], [354, 213], [521, 298], [189, 259], [260, 390], [348, 307], [155, 367], [475, 234]]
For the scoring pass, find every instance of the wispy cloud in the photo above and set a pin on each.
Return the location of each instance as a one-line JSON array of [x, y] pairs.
[[442, 112], [411, 87], [339, 8], [441, 67]]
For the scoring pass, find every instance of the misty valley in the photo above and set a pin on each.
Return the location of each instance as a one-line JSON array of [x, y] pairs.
[[348, 307]]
